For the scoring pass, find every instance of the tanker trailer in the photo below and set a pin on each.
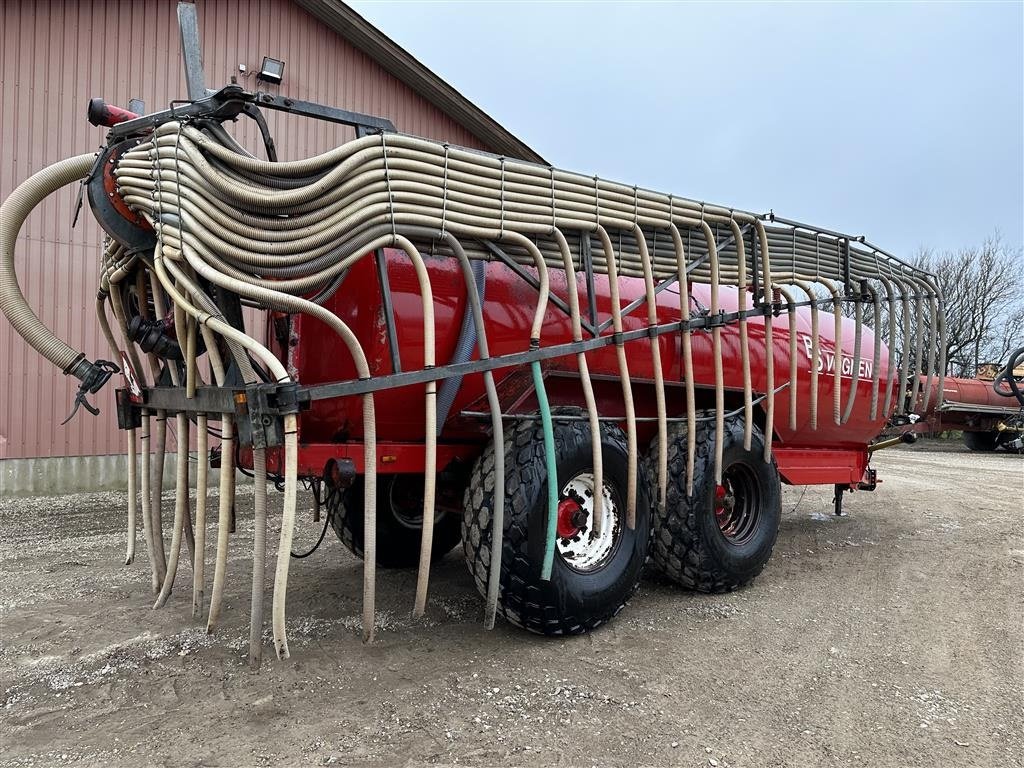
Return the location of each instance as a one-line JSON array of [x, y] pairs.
[[564, 373], [988, 409]]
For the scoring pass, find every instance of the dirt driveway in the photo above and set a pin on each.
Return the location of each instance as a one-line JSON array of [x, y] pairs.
[[892, 636]]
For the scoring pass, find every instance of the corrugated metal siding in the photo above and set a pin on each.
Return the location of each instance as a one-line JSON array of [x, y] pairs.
[[57, 55]]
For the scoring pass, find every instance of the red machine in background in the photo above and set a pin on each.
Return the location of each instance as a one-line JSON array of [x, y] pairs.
[[980, 408]]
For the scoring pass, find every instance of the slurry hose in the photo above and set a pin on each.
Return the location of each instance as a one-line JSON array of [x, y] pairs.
[[716, 344], [181, 501], [659, 378], [552, 471], [464, 346], [876, 349], [13, 212], [547, 425], [855, 362], [296, 304], [769, 346], [101, 299], [933, 325], [627, 387], [890, 329], [227, 480], [156, 503], [837, 363], [791, 312], [231, 334], [475, 286], [684, 313], [902, 399], [815, 363], [741, 304], [202, 483], [225, 500], [596, 448]]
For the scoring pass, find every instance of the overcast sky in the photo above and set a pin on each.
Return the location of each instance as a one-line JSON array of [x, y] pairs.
[[903, 122]]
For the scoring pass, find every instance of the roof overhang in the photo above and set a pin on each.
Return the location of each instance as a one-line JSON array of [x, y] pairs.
[[400, 63]]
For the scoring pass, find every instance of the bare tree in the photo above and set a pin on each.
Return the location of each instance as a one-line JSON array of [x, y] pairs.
[[983, 288]]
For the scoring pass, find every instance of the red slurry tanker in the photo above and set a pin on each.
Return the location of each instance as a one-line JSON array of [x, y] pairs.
[[566, 374]]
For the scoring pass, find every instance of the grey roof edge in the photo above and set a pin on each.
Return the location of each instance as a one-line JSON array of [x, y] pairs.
[[404, 66]]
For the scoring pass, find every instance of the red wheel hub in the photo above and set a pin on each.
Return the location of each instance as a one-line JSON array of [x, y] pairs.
[[571, 518], [723, 506]]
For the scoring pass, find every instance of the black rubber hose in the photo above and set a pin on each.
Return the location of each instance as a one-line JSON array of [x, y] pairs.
[[1012, 388]]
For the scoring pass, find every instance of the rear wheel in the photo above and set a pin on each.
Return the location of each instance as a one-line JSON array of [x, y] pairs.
[[399, 519], [593, 574], [722, 536], [981, 441]]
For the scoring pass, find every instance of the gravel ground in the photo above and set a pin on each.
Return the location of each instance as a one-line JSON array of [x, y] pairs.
[[892, 636]]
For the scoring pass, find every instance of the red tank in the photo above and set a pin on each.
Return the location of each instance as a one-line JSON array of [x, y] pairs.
[[334, 427], [988, 420]]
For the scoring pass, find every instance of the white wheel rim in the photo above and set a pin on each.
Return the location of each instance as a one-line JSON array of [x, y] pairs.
[[587, 551]]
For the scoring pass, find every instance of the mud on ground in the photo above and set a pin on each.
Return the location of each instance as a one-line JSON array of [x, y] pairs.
[[892, 636]]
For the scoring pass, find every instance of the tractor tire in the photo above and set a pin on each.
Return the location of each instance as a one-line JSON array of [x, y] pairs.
[[399, 521], [592, 576], [981, 441], [716, 540]]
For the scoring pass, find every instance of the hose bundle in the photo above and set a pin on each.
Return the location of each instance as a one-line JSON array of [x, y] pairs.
[[282, 235]]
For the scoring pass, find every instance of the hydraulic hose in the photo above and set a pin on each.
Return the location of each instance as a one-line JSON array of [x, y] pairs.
[[552, 471]]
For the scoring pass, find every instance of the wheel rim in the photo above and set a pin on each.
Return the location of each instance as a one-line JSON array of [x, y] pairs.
[[737, 504], [580, 548], [405, 502]]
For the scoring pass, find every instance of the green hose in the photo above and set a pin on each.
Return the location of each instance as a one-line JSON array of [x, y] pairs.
[[549, 457]]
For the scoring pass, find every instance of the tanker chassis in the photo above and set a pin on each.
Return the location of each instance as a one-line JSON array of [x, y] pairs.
[[567, 375]]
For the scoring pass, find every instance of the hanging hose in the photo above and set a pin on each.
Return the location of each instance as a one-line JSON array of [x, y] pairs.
[[684, 313], [659, 379], [202, 480], [156, 489], [627, 387], [552, 471], [475, 279], [180, 503], [13, 212], [741, 304], [572, 294], [769, 346], [716, 345], [791, 311], [463, 349]]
